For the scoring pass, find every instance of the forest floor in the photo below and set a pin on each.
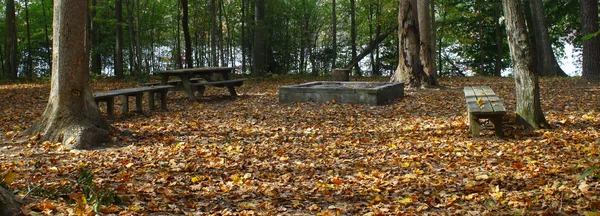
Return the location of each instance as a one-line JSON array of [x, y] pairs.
[[252, 155]]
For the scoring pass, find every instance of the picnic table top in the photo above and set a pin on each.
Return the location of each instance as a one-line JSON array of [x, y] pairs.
[[196, 70]]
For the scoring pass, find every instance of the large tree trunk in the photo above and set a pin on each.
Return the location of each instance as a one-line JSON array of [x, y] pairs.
[[591, 47], [529, 110], [10, 55], [546, 62], [260, 34], [426, 44], [186, 34], [71, 116], [119, 43], [9, 204], [410, 70]]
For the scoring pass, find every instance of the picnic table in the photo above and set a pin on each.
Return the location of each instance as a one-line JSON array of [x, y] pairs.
[[188, 75]]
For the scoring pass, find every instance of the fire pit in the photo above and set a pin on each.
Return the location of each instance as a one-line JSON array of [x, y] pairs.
[[373, 93]]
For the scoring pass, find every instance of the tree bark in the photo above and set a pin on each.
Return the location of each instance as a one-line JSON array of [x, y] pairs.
[[499, 42], [10, 47], [186, 34], [334, 34], [353, 32], [138, 38], [9, 204], [213, 34], [96, 58], [260, 34], [368, 49], [48, 44], [426, 47], [529, 110], [119, 43], [410, 70], [243, 46], [71, 116], [29, 71], [591, 47], [546, 61]]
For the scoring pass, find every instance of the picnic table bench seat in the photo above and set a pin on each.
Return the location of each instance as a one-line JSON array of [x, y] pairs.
[[108, 97], [483, 103], [200, 86]]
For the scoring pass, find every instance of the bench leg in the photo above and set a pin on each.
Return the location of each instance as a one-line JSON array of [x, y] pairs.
[[188, 88], [200, 90], [151, 100], [110, 107], [474, 125], [163, 100], [498, 126], [138, 101], [232, 91], [125, 106]]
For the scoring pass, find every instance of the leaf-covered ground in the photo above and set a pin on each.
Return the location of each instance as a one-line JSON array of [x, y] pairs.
[[251, 155]]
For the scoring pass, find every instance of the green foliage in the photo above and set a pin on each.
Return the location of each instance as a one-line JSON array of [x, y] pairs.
[[95, 195]]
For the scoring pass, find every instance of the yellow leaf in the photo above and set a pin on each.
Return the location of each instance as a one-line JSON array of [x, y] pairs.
[[237, 180], [591, 213], [10, 177], [405, 201], [197, 179]]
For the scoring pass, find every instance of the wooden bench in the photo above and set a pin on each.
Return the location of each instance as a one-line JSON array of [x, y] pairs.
[[230, 84], [483, 103], [109, 98]]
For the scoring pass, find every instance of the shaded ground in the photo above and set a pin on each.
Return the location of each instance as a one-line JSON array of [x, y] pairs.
[[252, 155]]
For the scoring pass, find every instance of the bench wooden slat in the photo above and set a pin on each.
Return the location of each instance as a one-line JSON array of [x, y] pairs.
[[221, 83]]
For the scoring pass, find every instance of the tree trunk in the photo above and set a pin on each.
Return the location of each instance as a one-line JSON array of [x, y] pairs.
[[334, 34], [426, 47], [499, 42], [119, 43], [9, 204], [220, 33], [353, 32], [186, 34], [243, 21], [410, 70], [213, 34], [29, 71], [368, 49], [96, 65], [138, 38], [591, 47], [546, 61], [131, 25], [48, 45], [260, 34], [71, 116], [529, 110], [10, 47]]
